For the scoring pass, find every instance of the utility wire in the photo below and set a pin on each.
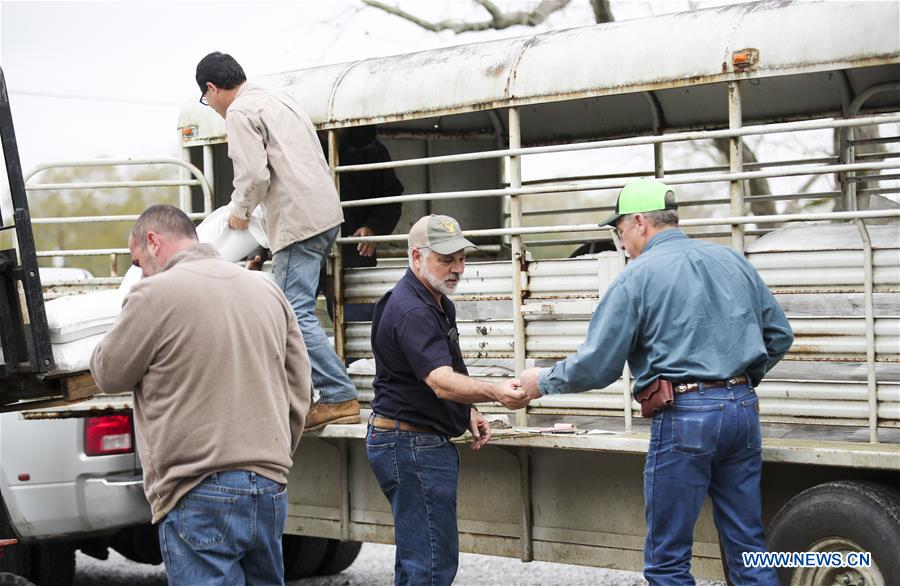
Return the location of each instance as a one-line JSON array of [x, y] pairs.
[[157, 103]]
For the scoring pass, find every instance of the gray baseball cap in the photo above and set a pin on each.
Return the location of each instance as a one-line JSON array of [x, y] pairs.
[[441, 234]]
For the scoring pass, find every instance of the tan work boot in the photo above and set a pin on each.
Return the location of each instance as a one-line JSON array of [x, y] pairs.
[[321, 414]]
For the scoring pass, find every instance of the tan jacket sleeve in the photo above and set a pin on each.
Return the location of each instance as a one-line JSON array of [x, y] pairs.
[[123, 356], [299, 376], [247, 151]]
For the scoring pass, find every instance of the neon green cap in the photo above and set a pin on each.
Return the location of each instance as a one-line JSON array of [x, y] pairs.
[[643, 195]]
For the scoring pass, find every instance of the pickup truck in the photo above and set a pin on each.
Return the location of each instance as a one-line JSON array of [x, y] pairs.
[[27, 360], [67, 483], [71, 483], [70, 479], [74, 483]]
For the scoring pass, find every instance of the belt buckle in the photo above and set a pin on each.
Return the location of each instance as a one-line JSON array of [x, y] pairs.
[[686, 387]]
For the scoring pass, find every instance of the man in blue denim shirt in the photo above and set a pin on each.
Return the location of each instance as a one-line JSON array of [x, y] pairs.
[[699, 315], [423, 396]]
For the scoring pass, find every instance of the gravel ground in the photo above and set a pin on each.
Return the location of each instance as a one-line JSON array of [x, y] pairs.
[[375, 565]]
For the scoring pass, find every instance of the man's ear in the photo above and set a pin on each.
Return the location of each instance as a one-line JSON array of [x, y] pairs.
[[641, 222], [153, 242]]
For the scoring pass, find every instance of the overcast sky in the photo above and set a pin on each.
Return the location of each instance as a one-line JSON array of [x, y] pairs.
[[108, 78], [92, 79]]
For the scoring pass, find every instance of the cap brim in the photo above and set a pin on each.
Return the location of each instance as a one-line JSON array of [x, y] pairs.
[[611, 221], [452, 245]]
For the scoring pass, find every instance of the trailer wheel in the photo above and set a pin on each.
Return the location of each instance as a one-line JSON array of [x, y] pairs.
[[13, 580], [302, 555], [842, 517], [338, 557]]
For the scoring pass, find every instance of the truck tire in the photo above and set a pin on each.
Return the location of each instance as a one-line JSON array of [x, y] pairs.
[[302, 555], [8, 579], [842, 516], [338, 557], [14, 559], [53, 564], [139, 544]]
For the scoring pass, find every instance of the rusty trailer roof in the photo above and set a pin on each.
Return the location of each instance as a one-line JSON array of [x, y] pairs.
[[813, 58]]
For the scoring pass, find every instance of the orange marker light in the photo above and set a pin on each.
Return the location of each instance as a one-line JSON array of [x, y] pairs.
[[745, 59]]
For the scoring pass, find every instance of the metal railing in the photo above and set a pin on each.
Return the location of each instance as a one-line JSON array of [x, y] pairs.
[[735, 175], [199, 180]]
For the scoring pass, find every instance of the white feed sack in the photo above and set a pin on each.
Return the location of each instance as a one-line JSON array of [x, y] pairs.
[[74, 317], [233, 245], [78, 322], [75, 356]]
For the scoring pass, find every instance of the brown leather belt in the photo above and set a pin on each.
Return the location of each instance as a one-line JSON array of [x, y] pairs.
[[385, 423], [709, 384]]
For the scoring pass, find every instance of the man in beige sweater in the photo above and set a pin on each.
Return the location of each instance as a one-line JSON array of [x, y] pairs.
[[221, 382]]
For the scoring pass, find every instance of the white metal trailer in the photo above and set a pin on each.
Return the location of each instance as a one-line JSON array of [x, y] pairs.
[[465, 123]]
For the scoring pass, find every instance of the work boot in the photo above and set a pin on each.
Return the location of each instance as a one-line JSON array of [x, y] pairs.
[[321, 414]]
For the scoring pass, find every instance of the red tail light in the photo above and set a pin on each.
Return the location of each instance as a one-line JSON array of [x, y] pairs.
[[110, 434]]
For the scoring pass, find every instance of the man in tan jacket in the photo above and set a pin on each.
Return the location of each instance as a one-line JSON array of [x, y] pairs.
[[221, 383], [278, 163]]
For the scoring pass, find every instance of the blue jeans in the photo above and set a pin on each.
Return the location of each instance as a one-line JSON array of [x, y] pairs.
[[297, 269], [227, 530], [707, 442], [418, 473]]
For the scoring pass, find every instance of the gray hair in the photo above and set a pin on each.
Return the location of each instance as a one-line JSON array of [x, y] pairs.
[[659, 218], [164, 219], [423, 251]]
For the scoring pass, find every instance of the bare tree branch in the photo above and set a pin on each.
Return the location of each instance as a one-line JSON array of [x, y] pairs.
[[403, 14], [602, 11], [543, 10], [496, 13], [499, 19]]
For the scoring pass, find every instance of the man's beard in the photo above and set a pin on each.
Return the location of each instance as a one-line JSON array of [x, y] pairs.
[[438, 285]]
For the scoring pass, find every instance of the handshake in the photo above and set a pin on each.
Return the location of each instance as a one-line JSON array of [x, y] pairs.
[[516, 393]]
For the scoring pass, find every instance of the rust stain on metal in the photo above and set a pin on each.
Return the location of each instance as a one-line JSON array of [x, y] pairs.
[[514, 69], [494, 70], [106, 409]]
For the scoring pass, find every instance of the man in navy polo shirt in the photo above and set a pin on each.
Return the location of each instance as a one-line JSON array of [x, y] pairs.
[[423, 397]]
